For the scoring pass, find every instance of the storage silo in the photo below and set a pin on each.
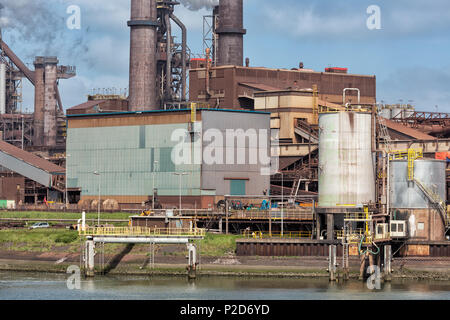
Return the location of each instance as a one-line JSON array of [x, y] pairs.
[[386, 112], [408, 200], [346, 164]]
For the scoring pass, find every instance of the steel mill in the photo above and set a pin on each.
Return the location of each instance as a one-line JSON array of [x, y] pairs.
[[263, 152]]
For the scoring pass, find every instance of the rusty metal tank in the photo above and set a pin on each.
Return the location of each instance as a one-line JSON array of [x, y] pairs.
[[406, 194], [346, 163]]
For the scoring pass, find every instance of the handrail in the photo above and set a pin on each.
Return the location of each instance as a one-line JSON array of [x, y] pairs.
[[277, 235], [142, 231]]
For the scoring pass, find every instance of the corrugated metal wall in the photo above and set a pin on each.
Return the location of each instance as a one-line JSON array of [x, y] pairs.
[[124, 157]]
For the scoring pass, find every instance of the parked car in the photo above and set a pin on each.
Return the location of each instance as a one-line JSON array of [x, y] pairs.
[[39, 225]]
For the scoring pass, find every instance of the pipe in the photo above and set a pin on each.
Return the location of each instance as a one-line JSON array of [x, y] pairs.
[[169, 94], [353, 89], [208, 91], [183, 54], [2, 88], [17, 62]]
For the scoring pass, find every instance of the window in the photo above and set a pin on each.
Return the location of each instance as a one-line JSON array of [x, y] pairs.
[[421, 226], [394, 227], [237, 187]]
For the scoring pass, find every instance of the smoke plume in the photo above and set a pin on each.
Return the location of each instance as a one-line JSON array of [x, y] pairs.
[[37, 23], [196, 5]]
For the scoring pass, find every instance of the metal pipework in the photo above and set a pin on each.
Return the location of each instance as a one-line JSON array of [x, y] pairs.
[[143, 38], [352, 89], [231, 33], [183, 53], [168, 91]]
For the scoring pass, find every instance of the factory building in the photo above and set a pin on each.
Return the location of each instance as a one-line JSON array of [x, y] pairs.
[[132, 153], [235, 86]]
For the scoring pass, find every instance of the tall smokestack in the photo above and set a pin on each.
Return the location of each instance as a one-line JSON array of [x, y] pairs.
[[231, 33], [143, 39], [39, 101]]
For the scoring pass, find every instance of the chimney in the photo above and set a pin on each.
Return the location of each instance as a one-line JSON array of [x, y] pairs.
[[50, 105], [39, 100], [142, 87], [231, 33]]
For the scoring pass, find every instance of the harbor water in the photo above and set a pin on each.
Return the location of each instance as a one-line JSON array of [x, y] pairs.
[[42, 286]]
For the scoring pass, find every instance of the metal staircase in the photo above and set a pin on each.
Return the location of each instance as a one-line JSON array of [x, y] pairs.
[[384, 134], [436, 200]]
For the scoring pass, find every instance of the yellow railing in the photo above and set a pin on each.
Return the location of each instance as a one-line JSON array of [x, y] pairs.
[[142, 232], [325, 109], [357, 217], [355, 236], [274, 215], [277, 235]]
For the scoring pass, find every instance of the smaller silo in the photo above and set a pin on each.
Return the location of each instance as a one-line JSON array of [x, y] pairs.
[[346, 165], [409, 202]]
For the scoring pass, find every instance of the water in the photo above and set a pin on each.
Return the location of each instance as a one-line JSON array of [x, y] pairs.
[[37, 286]]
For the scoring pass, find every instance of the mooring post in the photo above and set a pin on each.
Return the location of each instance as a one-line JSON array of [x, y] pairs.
[[192, 261], [221, 225], [362, 266], [387, 262], [332, 262], [226, 216], [89, 259]]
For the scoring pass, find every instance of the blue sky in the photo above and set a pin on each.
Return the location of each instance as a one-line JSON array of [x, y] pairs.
[[409, 54]]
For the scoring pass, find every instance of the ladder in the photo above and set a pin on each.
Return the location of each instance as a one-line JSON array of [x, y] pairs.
[[295, 188], [385, 134], [436, 200]]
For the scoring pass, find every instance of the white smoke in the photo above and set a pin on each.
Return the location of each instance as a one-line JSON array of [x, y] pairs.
[[37, 23], [196, 5]]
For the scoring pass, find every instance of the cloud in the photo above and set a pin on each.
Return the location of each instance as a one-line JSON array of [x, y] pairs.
[[326, 19], [199, 4], [426, 87]]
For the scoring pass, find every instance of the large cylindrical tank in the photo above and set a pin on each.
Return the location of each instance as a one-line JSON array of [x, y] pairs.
[[406, 194], [397, 112], [386, 112], [408, 202], [346, 165]]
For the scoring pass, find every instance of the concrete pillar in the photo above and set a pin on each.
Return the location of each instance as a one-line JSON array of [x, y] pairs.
[[318, 227], [330, 226], [192, 260], [362, 267], [220, 224], [89, 258], [332, 262], [387, 262]]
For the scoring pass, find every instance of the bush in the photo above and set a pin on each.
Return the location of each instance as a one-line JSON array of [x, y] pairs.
[[66, 238]]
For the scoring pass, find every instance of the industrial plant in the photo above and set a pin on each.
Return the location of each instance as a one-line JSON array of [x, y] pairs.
[[346, 176]]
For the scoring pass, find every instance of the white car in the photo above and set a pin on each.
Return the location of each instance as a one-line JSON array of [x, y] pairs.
[[39, 225]]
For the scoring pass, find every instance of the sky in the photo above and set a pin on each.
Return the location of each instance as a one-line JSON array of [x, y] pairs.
[[409, 52]]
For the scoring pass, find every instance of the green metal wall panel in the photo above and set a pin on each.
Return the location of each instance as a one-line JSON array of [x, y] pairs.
[[237, 187], [125, 158]]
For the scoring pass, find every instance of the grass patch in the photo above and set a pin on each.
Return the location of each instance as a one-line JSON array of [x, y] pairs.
[[63, 215], [217, 245], [40, 240]]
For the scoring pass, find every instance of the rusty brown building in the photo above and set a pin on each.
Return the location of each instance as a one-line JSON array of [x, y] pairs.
[[234, 86]]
